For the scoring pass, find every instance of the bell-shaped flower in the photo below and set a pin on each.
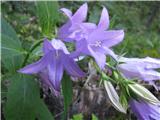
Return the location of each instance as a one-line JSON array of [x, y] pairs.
[[73, 24], [144, 110], [76, 29], [85, 28], [98, 44], [91, 39], [140, 68], [56, 59]]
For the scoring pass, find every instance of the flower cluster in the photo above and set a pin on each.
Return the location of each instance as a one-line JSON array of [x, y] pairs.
[[95, 41]]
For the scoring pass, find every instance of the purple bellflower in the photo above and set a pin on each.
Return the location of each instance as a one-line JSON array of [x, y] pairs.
[[91, 39], [73, 24], [76, 29], [143, 69], [56, 59], [144, 110], [99, 43]]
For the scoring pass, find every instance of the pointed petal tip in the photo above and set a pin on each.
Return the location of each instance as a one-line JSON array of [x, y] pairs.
[[85, 5], [104, 19], [23, 71], [66, 12], [121, 34]]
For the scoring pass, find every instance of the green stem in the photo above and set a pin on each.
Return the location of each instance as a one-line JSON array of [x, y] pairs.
[[30, 51]]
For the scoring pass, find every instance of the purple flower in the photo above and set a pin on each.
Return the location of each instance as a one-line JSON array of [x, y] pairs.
[[91, 39], [66, 31], [76, 29], [98, 44], [56, 59], [144, 110], [143, 69]]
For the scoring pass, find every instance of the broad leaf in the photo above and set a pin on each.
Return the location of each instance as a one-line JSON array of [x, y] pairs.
[[47, 12], [23, 100], [12, 52], [67, 92], [143, 93], [42, 112], [113, 96]]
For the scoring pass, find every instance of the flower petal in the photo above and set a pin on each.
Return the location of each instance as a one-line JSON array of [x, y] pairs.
[[129, 71], [44, 77], [55, 71], [58, 44], [37, 66], [152, 63], [63, 32], [47, 46], [104, 20], [113, 37], [149, 75], [108, 38], [67, 12], [70, 66], [144, 110], [110, 52], [88, 26], [82, 46], [100, 58], [81, 14]]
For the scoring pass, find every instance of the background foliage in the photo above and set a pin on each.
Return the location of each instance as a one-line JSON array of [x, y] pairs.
[[140, 20]]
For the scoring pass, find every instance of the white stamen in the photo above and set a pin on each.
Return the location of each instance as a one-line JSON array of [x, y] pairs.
[[97, 44]]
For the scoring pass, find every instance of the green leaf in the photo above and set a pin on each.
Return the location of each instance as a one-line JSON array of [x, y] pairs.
[[94, 117], [23, 100], [113, 96], [78, 117], [143, 93], [12, 51], [42, 112], [67, 92], [48, 15], [123, 100]]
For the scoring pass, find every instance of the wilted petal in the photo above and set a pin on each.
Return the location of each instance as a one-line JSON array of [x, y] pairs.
[[55, 71], [144, 110], [100, 58], [81, 14], [104, 20], [37, 66], [70, 66], [47, 46], [67, 12]]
